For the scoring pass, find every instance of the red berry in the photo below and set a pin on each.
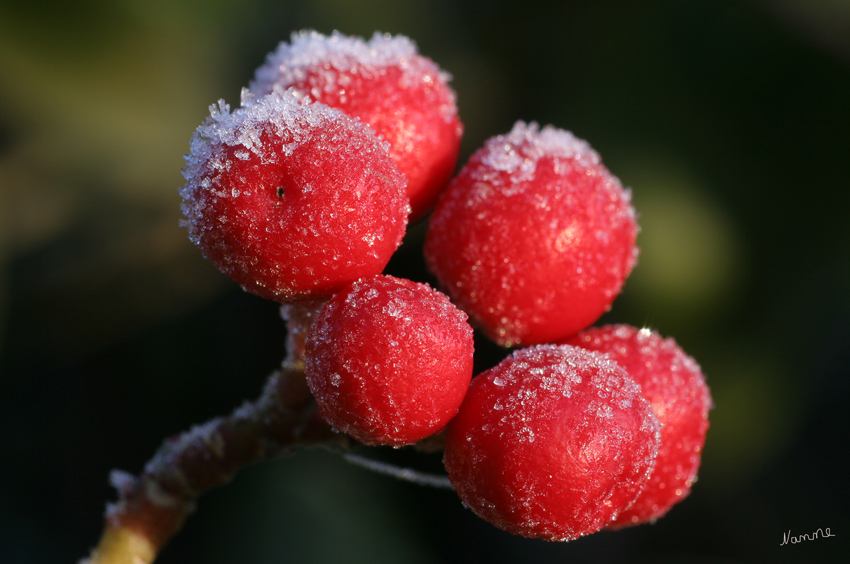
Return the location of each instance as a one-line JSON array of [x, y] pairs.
[[534, 238], [292, 200], [674, 385], [403, 96], [389, 360], [552, 443]]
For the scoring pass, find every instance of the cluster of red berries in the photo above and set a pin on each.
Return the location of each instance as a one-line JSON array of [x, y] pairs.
[[302, 195]]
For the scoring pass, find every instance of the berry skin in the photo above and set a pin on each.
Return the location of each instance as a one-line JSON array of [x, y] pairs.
[[552, 443], [389, 360], [292, 200], [674, 385], [534, 238], [400, 94]]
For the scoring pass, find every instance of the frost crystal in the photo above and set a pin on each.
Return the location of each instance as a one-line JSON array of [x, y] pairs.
[[310, 50], [517, 152]]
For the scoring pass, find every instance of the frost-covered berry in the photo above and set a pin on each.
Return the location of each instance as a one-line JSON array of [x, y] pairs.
[[389, 360], [674, 385], [534, 238], [402, 95], [552, 443], [293, 200]]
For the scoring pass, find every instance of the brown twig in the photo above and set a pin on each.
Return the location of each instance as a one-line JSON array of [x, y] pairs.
[[152, 507]]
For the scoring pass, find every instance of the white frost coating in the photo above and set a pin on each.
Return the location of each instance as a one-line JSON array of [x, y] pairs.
[[121, 480], [287, 116], [310, 51], [518, 151], [602, 410], [206, 436]]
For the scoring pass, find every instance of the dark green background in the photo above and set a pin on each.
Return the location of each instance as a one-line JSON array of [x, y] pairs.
[[729, 120]]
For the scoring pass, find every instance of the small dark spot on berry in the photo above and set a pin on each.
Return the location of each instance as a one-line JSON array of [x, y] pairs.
[[280, 190]]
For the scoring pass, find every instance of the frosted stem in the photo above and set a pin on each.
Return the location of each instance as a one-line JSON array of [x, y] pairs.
[[152, 507], [299, 318]]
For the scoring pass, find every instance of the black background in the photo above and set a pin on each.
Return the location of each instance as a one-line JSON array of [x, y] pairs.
[[729, 120]]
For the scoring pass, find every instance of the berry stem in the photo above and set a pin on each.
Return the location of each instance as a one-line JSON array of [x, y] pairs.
[[404, 474], [152, 507], [299, 318]]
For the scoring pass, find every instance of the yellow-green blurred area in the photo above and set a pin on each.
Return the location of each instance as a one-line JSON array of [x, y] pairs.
[[729, 120]]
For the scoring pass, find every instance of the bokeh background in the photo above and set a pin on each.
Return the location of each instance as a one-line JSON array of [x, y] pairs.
[[730, 120]]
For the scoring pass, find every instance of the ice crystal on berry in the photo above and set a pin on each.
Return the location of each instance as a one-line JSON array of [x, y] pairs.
[[292, 199]]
